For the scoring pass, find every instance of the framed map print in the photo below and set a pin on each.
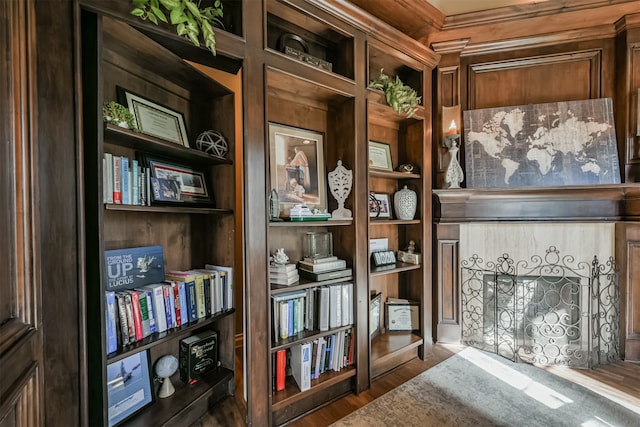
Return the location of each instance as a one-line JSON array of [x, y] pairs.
[[554, 144]]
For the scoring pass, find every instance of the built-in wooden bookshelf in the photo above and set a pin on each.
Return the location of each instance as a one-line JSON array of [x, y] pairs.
[[116, 51]]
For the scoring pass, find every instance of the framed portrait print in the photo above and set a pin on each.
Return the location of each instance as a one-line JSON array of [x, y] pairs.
[[380, 156], [297, 167], [175, 183], [128, 387], [379, 206], [154, 119]]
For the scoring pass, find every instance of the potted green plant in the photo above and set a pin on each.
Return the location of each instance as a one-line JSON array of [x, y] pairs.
[[402, 98], [119, 115], [190, 19]]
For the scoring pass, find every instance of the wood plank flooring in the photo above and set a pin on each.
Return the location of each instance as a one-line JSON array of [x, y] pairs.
[[618, 381]]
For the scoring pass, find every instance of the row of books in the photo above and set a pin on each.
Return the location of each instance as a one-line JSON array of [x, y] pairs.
[[318, 308], [125, 181], [307, 361], [184, 297]]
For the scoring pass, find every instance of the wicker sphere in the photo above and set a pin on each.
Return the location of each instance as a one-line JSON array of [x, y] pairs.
[[212, 142]]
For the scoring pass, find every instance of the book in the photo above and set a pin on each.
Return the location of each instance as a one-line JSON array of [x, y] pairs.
[[329, 275], [323, 267], [189, 280], [117, 193], [198, 355], [323, 308], [131, 268], [347, 304], [131, 325], [228, 293], [122, 317], [152, 317], [110, 316], [301, 365], [286, 280], [107, 182], [144, 312], [135, 182], [281, 362], [165, 190], [137, 315], [335, 306], [320, 260], [182, 292], [281, 268], [176, 302], [124, 180], [169, 305], [157, 293], [283, 310]]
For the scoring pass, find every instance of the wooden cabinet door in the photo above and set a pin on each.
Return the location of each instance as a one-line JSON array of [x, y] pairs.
[[20, 338]]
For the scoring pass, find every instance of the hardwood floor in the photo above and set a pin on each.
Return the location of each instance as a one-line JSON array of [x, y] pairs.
[[618, 381]]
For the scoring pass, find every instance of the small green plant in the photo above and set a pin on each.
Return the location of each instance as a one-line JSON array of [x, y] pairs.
[[118, 114], [190, 20], [402, 98]]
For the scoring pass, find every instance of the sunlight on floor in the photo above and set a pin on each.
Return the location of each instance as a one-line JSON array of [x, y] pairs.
[[515, 379]]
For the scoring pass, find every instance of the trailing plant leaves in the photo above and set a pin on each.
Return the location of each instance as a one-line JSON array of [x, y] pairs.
[[402, 98], [189, 19]]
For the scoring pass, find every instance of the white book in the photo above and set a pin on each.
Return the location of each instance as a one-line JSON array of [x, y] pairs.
[[323, 267], [301, 365], [283, 275], [228, 291], [335, 303], [158, 306], [284, 281], [319, 354], [107, 181], [320, 260], [284, 268], [309, 312], [283, 319], [323, 315], [347, 304]]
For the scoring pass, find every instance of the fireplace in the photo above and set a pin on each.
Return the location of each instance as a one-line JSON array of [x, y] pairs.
[[524, 299]]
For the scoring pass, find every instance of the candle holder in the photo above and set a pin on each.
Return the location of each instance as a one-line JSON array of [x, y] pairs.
[[454, 175]]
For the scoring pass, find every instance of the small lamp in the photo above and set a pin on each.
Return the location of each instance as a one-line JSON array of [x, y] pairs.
[[451, 136]]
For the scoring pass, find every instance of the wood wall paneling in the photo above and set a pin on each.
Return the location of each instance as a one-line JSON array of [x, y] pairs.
[[21, 335], [447, 284]]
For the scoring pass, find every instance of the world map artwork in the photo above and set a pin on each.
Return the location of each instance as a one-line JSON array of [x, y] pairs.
[[554, 144]]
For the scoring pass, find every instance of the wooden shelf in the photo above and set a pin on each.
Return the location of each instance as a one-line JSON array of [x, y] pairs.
[[168, 209], [305, 336], [393, 174], [380, 110], [393, 268], [292, 393], [374, 221], [328, 223], [390, 349], [206, 391], [173, 333], [141, 142], [304, 284]]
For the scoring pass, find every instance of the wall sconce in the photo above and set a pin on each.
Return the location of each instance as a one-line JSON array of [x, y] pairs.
[[451, 140], [450, 121]]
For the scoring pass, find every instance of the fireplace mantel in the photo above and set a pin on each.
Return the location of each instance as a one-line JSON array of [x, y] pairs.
[[558, 204]]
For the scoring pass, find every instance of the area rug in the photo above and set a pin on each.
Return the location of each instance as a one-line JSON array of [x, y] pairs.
[[475, 388]]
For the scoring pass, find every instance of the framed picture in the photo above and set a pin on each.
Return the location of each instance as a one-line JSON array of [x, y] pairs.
[[297, 167], [403, 316], [128, 387], [375, 315], [154, 119], [380, 156], [379, 206], [175, 183]]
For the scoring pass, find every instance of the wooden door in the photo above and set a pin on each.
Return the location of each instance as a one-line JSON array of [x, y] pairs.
[[20, 338]]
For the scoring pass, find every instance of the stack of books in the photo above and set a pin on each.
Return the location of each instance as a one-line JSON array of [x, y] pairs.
[[283, 274], [324, 268]]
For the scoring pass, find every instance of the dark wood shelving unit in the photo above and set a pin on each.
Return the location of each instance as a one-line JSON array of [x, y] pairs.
[[393, 268], [381, 222], [391, 349], [393, 174], [169, 209], [304, 284], [292, 393]]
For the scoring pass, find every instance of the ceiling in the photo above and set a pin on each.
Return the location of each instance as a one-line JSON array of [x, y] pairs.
[[456, 7]]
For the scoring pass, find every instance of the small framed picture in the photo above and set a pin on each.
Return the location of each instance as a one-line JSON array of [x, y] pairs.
[[154, 119], [380, 156], [379, 206], [175, 183], [375, 315], [297, 167], [128, 387], [403, 316]]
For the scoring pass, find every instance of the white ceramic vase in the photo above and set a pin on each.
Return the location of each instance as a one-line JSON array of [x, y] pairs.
[[405, 202]]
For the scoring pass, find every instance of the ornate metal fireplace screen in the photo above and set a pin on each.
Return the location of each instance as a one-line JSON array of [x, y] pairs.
[[549, 311]]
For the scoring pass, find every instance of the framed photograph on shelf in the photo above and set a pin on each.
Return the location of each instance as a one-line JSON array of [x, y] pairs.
[[297, 167], [380, 156], [154, 119], [375, 315], [402, 316], [128, 387], [379, 206], [173, 182]]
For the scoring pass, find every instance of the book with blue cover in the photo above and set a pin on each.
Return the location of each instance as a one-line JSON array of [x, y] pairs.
[[133, 267], [111, 313]]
